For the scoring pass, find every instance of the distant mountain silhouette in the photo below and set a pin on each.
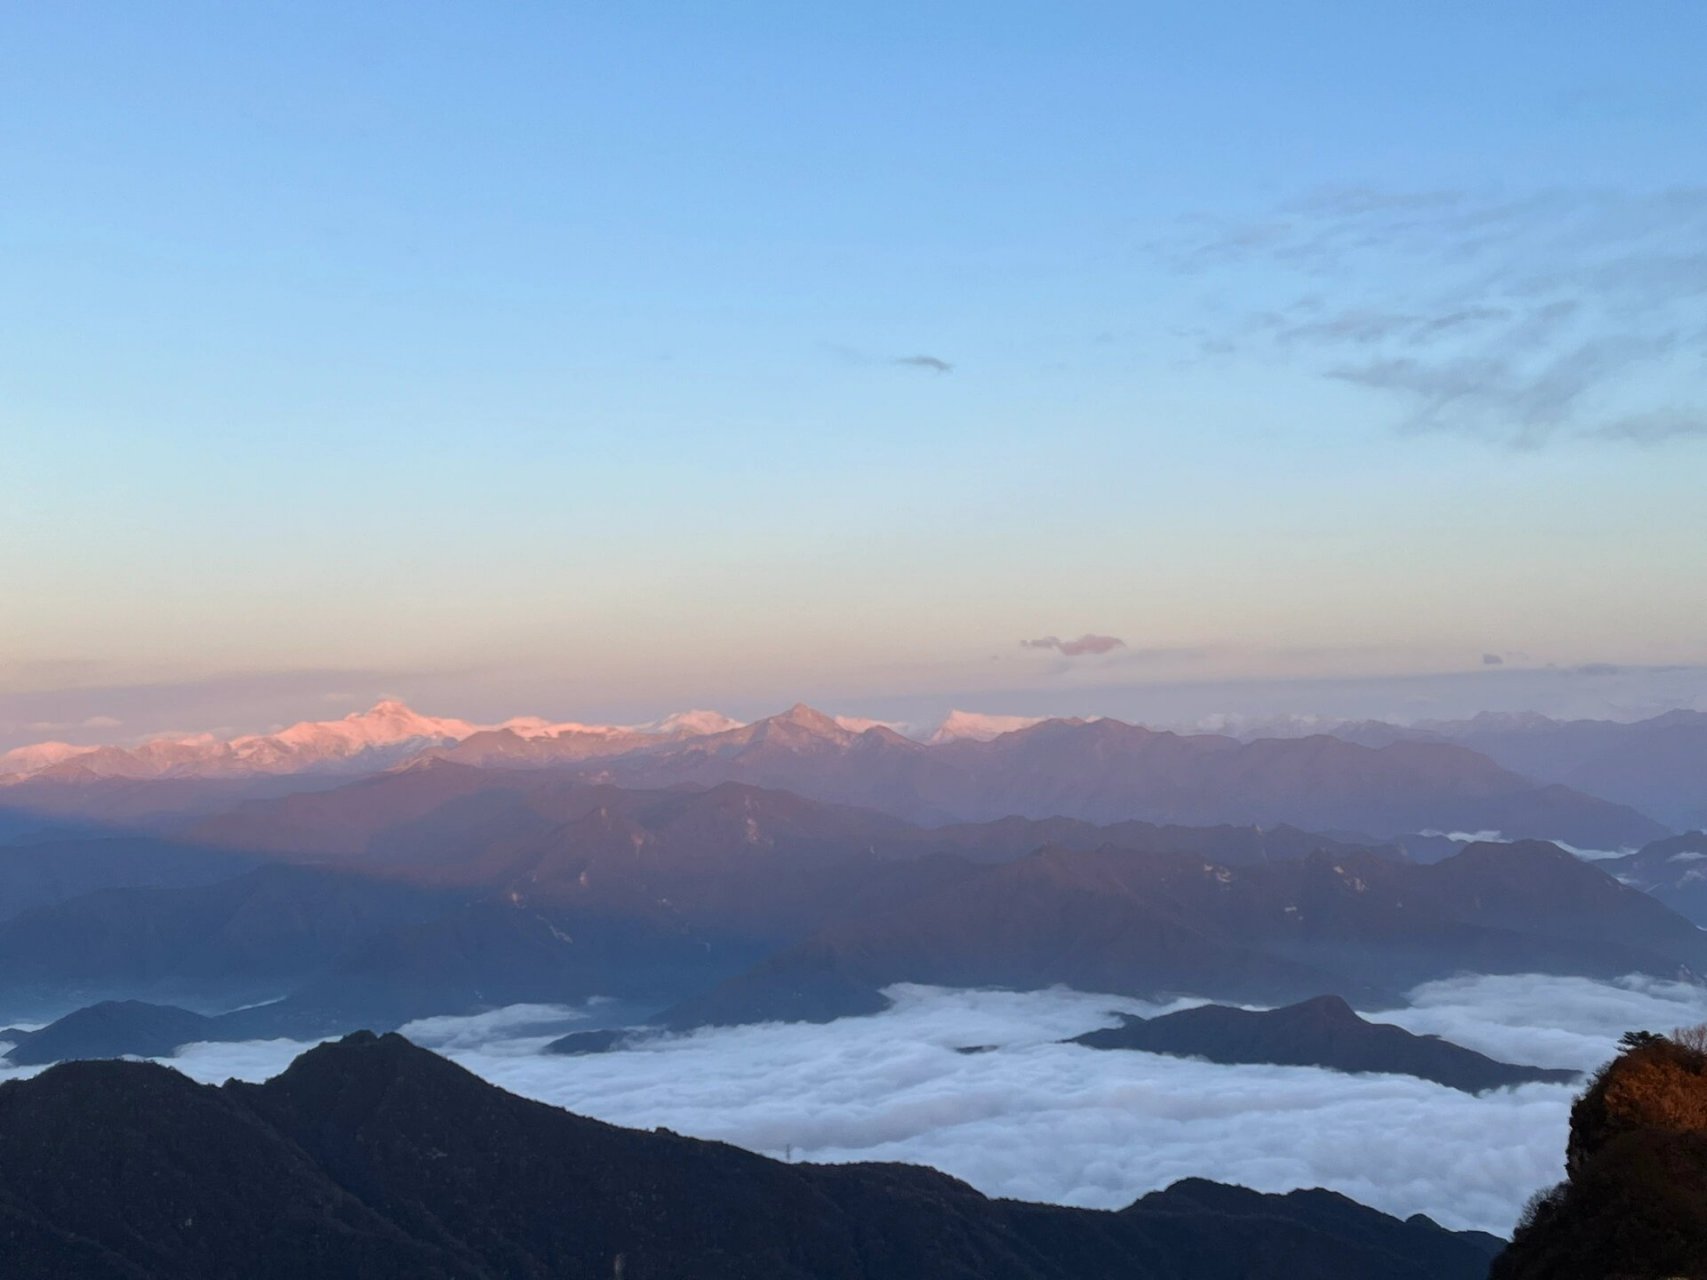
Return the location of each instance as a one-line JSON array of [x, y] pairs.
[[1634, 1202], [1658, 765], [373, 1158], [1321, 1032]]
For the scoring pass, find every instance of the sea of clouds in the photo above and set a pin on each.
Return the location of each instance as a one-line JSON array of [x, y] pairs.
[[1037, 1119]]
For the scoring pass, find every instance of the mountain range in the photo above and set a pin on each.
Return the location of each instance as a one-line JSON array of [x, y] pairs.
[[1098, 771]]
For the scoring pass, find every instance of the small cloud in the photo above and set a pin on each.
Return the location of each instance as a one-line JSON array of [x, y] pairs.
[[1492, 660], [930, 363], [1085, 644]]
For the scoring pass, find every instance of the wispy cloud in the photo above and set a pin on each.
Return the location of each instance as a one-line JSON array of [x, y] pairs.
[[1085, 645], [921, 362], [1519, 320], [931, 364]]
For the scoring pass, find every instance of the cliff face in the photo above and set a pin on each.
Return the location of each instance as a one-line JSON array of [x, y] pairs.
[[1634, 1202]]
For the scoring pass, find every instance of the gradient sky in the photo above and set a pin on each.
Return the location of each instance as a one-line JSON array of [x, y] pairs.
[[596, 360]]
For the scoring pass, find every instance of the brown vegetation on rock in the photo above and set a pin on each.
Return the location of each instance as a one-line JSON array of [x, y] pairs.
[[1634, 1202]]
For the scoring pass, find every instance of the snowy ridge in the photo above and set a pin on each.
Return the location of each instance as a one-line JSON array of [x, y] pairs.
[[979, 727], [387, 733]]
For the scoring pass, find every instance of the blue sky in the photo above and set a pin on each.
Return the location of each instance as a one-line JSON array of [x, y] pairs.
[[585, 359]]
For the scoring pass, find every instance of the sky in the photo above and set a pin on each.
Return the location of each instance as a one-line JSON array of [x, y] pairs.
[[596, 361]]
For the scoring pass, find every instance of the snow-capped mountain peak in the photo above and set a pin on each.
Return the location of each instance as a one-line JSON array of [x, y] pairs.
[[384, 724], [694, 724]]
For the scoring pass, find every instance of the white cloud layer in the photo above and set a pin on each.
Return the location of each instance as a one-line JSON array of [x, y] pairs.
[[1040, 1120]]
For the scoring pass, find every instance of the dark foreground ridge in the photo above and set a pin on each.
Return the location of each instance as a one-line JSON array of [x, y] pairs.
[[371, 1158], [1323, 1032], [1633, 1205]]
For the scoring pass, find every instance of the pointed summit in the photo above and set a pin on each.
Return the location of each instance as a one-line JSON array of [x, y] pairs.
[[813, 721]]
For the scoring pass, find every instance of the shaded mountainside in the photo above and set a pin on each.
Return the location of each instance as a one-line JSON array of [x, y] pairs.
[[1323, 1032], [247, 938], [1147, 925], [373, 1158], [1634, 1202]]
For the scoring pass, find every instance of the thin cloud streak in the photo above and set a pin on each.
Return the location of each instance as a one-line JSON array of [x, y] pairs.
[[929, 363]]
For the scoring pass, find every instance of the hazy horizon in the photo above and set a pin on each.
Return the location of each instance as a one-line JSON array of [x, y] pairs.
[[245, 704]]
